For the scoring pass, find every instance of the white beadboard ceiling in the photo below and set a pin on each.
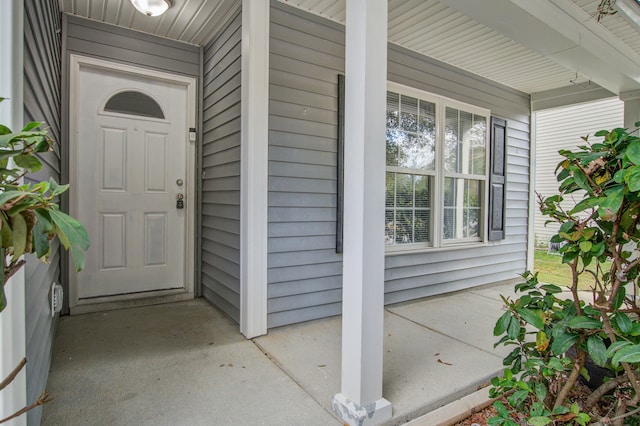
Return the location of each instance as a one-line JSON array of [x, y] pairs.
[[521, 47], [190, 21]]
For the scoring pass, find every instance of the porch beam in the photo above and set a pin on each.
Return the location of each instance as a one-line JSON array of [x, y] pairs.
[[254, 167], [631, 109], [360, 401], [564, 33], [12, 319]]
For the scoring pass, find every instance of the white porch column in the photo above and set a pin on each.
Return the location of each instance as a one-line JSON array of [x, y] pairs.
[[631, 109], [360, 401], [12, 319], [254, 167]]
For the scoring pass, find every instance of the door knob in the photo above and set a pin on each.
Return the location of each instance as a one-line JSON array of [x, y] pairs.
[[180, 201]]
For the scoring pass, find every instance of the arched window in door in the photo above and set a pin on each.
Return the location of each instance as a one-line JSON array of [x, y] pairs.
[[134, 103]]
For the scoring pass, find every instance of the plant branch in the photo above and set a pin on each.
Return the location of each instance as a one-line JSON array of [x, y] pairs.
[[13, 374], [42, 399], [602, 390], [571, 380]]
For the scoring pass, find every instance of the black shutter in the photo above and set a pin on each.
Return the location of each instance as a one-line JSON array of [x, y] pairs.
[[497, 180], [340, 164]]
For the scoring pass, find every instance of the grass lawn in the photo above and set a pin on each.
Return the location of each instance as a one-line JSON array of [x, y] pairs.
[[551, 270]]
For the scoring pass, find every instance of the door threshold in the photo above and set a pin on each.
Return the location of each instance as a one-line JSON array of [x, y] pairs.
[[109, 303]]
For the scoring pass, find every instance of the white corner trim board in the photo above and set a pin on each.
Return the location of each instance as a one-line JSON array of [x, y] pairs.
[[13, 318], [254, 167]]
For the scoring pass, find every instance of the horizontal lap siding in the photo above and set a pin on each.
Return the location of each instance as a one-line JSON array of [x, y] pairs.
[[42, 94], [305, 273], [220, 231], [97, 39], [561, 128]]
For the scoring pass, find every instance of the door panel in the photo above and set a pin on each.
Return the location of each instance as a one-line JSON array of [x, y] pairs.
[[127, 170]]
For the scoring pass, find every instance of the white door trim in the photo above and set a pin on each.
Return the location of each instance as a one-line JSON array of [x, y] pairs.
[[110, 302]]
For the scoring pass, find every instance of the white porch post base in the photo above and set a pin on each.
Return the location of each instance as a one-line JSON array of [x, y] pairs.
[[355, 415]]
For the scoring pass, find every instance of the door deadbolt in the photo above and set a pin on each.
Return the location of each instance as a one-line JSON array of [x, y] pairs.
[[179, 182]]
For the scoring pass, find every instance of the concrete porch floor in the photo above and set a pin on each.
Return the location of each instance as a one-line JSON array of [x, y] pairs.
[[186, 363]]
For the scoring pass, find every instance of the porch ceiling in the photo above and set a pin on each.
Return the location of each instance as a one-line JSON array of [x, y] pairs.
[[530, 46]]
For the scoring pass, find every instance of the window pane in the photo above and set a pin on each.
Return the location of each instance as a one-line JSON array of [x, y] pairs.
[[422, 226], [394, 134], [426, 135], [134, 103], [404, 190], [389, 227], [408, 114], [408, 212], [423, 191], [404, 226], [465, 142], [393, 109], [462, 208], [477, 141], [451, 142], [391, 190]]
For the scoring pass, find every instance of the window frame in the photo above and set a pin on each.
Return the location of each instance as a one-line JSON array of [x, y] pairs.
[[438, 174]]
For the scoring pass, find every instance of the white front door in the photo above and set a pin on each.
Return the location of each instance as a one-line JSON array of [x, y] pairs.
[[131, 168]]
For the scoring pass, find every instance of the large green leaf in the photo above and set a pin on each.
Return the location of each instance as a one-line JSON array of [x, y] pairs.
[[581, 180], [502, 324], [615, 196], [28, 162], [562, 342], [623, 322], [629, 354], [633, 178], [539, 421], [32, 125], [8, 153], [55, 188], [633, 153], [72, 234], [513, 330], [10, 138], [585, 323], [531, 317], [597, 350], [19, 226], [41, 232], [8, 196], [616, 346]]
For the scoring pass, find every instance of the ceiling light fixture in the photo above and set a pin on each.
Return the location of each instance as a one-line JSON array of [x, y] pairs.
[[152, 7]]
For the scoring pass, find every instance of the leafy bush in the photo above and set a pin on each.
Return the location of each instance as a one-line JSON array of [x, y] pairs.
[[556, 336], [29, 216]]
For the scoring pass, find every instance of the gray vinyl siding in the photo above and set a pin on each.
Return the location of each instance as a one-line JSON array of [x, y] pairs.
[[562, 128], [304, 272], [97, 39], [220, 220], [42, 94]]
